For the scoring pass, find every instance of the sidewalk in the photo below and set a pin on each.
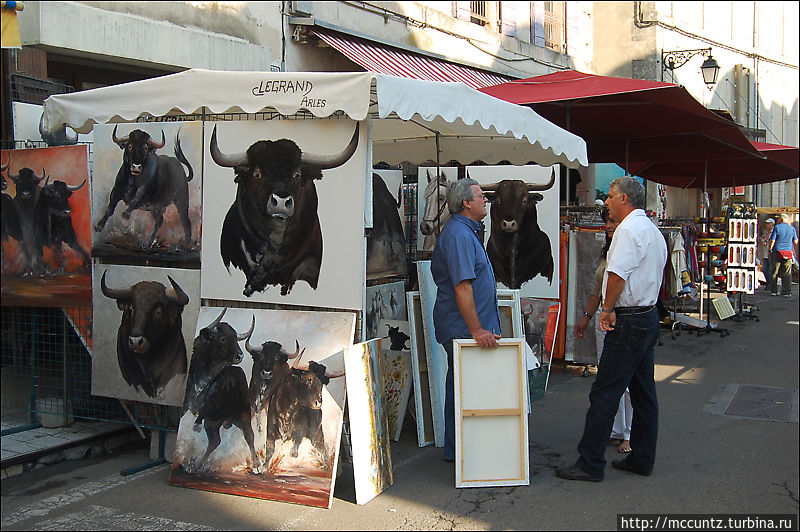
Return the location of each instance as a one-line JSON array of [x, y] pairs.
[[711, 459]]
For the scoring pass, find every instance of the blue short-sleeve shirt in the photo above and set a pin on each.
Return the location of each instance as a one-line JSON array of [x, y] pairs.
[[783, 234], [459, 255]]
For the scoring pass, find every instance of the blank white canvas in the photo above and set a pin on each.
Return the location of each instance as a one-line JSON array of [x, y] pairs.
[[490, 414]]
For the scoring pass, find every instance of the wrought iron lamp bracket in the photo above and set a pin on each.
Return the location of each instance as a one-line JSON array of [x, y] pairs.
[[678, 58]]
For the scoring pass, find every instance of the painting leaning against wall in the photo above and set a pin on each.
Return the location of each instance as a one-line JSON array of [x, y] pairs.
[[264, 404], [45, 227], [369, 428]]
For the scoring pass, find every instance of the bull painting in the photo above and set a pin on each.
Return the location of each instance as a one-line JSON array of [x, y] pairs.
[[150, 346], [215, 347], [272, 230], [267, 424], [54, 224], [295, 410], [150, 182], [386, 242], [518, 249]]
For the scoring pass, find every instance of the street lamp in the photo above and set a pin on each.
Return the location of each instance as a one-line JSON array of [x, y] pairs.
[[678, 58]]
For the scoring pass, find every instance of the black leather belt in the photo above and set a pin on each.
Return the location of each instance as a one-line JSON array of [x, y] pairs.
[[622, 311]]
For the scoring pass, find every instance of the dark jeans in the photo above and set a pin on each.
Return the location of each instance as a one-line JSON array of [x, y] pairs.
[[627, 362], [449, 450], [780, 268]]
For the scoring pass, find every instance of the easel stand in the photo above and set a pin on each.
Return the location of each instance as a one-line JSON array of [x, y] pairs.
[[723, 332], [743, 310]]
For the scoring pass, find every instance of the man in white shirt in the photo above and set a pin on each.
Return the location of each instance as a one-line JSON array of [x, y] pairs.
[[631, 284]]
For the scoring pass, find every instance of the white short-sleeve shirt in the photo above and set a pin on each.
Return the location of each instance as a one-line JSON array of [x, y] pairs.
[[637, 254]]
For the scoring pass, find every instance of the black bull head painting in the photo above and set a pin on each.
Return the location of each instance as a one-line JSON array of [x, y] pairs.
[[272, 231], [150, 345], [518, 249]]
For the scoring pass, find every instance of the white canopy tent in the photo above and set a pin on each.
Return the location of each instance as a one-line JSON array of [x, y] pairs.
[[411, 118]]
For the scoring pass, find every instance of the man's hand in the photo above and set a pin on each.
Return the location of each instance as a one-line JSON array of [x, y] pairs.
[[607, 321], [580, 327], [486, 339]]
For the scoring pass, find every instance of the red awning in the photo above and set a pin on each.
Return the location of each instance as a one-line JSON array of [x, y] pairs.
[[376, 57], [780, 163], [625, 119]]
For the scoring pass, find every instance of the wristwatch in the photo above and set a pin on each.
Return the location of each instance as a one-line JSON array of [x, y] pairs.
[[608, 311], [587, 315]]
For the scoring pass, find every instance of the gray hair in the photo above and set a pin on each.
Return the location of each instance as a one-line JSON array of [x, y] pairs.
[[786, 217], [458, 191], [631, 187]]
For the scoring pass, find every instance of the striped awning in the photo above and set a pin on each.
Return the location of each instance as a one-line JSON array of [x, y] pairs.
[[376, 57]]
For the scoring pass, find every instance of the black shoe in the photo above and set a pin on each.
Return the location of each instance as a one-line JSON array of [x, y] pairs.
[[576, 473], [624, 465]]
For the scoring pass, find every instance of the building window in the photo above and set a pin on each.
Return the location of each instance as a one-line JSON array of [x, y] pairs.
[[554, 25], [477, 13]]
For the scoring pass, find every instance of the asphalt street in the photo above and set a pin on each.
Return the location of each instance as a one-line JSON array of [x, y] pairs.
[[707, 462]]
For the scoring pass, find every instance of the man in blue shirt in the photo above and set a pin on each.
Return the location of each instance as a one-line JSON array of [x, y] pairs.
[[466, 298], [780, 246]]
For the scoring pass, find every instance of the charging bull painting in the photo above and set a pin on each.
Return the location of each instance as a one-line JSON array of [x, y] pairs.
[[283, 220], [45, 227], [264, 404], [386, 241], [146, 196], [144, 321], [521, 234]]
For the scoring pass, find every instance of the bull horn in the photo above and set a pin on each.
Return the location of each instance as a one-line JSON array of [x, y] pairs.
[[73, 188], [549, 184], [218, 320], [155, 145], [223, 159], [4, 167], [246, 336], [296, 363], [296, 350], [116, 139], [334, 374], [324, 162], [250, 349], [180, 297], [491, 187], [114, 293], [39, 178]]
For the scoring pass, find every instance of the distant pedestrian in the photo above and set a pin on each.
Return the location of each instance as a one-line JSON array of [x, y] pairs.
[[634, 273], [466, 299], [781, 240], [763, 247]]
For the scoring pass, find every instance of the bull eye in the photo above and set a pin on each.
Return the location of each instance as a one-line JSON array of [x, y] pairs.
[[257, 173], [157, 312], [296, 175]]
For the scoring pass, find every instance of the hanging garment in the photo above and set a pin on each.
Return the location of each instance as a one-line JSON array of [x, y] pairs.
[[681, 281]]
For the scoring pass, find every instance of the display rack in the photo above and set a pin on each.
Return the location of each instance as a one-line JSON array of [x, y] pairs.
[[710, 247], [741, 256]]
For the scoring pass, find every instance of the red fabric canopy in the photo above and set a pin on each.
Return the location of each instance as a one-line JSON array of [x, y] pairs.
[[781, 163], [628, 119]]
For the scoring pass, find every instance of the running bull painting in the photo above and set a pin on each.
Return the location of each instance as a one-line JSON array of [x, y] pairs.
[[263, 419], [286, 221], [147, 198], [45, 227]]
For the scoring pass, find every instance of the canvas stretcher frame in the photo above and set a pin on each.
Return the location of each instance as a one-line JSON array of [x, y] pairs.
[[490, 414], [419, 372]]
